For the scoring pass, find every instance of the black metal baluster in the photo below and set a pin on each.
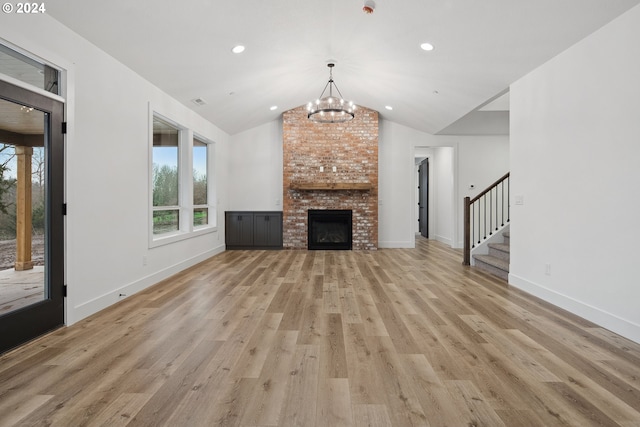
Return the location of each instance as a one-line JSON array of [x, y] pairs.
[[481, 218], [497, 210], [509, 199], [494, 217], [473, 225], [490, 212], [478, 221], [484, 223], [502, 209]]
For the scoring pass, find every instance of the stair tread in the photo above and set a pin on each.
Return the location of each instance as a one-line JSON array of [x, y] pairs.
[[494, 261], [504, 247]]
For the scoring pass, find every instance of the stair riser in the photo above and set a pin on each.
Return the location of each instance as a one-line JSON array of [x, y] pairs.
[[498, 259], [493, 270], [499, 254]]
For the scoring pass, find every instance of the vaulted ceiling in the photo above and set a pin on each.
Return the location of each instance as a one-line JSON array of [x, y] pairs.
[[184, 47]]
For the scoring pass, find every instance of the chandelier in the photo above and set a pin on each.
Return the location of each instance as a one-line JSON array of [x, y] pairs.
[[330, 109]]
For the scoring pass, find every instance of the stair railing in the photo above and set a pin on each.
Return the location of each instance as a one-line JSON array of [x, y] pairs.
[[485, 214]]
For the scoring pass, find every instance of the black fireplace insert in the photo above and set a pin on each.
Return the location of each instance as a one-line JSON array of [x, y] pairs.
[[329, 229]]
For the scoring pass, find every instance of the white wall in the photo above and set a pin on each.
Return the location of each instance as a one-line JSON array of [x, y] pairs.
[[575, 145], [396, 180], [255, 168], [255, 177], [443, 186], [461, 160], [107, 169], [481, 161], [456, 161]]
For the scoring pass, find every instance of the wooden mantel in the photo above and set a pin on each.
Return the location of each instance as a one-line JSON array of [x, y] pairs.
[[331, 186]]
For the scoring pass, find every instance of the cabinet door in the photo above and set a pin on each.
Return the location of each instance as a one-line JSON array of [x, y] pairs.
[[239, 229], [275, 237], [267, 229]]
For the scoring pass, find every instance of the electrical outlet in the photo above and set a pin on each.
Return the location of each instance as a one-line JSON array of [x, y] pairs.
[[547, 269], [335, 169], [144, 260]]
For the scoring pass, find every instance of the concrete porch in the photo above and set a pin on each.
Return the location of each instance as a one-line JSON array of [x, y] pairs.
[[20, 288]]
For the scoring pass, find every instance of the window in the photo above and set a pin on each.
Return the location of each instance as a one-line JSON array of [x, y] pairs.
[[166, 177], [28, 70], [200, 183], [182, 185]]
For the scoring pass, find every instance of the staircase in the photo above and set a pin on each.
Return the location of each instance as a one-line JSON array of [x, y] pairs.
[[497, 261]]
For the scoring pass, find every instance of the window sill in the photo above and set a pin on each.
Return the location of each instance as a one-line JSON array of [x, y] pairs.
[[169, 238]]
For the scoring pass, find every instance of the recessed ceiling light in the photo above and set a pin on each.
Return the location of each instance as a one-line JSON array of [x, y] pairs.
[[388, 107], [273, 107], [238, 49], [427, 46]]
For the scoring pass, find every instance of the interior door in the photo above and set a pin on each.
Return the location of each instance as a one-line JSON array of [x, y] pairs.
[[31, 215], [423, 197]]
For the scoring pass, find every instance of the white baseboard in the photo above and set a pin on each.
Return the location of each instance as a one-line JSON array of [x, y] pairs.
[[393, 245], [596, 315], [445, 240], [93, 306]]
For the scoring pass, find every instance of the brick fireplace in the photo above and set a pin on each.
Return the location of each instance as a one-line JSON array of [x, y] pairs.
[[330, 166]]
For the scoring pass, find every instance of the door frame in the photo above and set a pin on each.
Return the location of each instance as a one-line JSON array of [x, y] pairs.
[[29, 322], [423, 195]]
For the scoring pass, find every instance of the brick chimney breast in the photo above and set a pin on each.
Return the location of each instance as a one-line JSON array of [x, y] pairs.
[[347, 153]]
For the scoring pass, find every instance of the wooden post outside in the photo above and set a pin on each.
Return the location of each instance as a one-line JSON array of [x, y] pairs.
[[467, 231], [23, 209]]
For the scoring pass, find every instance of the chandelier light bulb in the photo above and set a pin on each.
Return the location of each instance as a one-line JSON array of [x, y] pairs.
[[333, 106]]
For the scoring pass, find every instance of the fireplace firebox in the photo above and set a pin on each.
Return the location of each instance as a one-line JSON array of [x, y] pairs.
[[329, 229]]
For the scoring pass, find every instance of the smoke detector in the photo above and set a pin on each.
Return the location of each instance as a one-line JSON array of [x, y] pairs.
[[369, 6]]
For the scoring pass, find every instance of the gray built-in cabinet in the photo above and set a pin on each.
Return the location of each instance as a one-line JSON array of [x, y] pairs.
[[253, 229]]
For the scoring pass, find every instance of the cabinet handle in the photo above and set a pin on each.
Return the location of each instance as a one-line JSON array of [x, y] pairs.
[[239, 217]]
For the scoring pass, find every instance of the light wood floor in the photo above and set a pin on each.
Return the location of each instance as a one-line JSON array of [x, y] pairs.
[[294, 338]]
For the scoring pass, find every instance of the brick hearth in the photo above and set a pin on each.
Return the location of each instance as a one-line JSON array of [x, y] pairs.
[[352, 148]]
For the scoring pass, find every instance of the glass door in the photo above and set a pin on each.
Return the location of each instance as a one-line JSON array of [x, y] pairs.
[[31, 215]]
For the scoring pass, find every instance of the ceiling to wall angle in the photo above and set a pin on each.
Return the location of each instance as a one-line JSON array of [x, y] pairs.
[[479, 49]]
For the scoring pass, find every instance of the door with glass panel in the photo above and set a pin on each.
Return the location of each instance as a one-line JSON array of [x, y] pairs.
[[31, 215]]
